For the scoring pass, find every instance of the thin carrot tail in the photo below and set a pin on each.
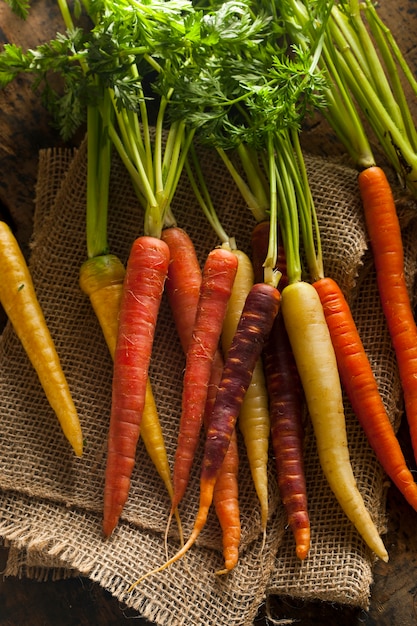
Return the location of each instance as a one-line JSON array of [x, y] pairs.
[[206, 499]]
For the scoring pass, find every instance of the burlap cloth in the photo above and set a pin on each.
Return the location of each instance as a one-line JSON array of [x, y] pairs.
[[51, 502]]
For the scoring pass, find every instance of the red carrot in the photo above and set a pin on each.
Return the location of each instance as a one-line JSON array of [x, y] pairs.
[[361, 387], [260, 310], [143, 287], [385, 236], [285, 406], [217, 281], [287, 433]]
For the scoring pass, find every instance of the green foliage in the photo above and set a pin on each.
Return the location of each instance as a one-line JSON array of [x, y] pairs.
[[20, 7]]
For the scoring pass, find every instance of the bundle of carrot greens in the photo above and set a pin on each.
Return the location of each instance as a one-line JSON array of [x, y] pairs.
[[267, 337]]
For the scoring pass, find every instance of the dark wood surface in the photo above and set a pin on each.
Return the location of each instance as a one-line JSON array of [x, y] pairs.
[[24, 129]]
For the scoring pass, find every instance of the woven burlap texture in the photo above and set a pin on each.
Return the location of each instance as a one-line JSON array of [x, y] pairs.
[[51, 502]]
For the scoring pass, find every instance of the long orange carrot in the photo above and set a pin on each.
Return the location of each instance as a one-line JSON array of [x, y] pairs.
[[260, 310], [385, 237], [183, 292], [218, 275], [361, 387], [146, 272], [21, 305], [101, 279]]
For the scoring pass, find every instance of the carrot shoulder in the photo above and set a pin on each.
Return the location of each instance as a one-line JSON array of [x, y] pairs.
[[386, 242], [19, 300], [143, 286], [361, 387]]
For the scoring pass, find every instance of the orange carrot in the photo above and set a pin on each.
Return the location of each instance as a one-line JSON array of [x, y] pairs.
[[260, 310], [386, 242], [101, 279], [21, 305], [285, 406], [146, 272], [183, 289], [361, 387], [217, 281]]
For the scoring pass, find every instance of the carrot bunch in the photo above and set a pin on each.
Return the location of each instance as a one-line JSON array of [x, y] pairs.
[[362, 68], [260, 336]]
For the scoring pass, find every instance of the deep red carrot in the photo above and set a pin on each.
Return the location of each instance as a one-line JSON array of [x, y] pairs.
[[285, 406], [386, 242], [260, 310], [146, 272], [287, 433], [217, 281], [362, 389]]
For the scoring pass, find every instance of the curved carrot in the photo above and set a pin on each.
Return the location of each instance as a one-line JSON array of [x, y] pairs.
[[385, 237], [316, 363], [143, 286], [362, 389], [254, 422], [257, 317], [101, 279], [286, 403], [218, 276], [21, 305]]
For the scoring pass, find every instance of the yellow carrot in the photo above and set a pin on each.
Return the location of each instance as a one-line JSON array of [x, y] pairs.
[[316, 362], [19, 300]]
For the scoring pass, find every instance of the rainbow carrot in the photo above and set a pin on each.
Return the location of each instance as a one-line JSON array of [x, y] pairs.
[[143, 286]]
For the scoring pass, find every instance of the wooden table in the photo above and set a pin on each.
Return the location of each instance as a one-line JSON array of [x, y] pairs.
[[24, 130]]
